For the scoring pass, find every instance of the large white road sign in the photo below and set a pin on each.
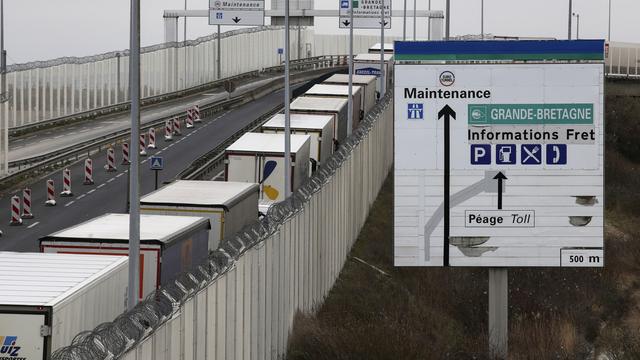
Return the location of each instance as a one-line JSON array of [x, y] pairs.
[[525, 163], [236, 12], [366, 14]]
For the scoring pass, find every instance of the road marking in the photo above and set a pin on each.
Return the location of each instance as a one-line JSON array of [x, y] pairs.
[[34, 224], [69, 203], [110, 180], [159, 152], [90, 191], [58, 137], [81, 196], [101, 186], [144, 161], [119, 175]]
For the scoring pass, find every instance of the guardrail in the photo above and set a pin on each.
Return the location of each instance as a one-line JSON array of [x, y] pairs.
[[48, 162], [240, 304]]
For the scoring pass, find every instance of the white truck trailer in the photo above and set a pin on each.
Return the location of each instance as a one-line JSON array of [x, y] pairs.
[[375, 48], [369, 64], [47, 299], [342, 92], [336, 107], [228, 205], [367, 82], [319, 127], [259, 158], [169, 245]]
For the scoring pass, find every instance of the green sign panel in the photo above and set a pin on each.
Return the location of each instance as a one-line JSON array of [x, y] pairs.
[[531, 114]]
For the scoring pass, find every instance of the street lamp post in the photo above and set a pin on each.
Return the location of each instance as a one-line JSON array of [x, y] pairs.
[[577, 25]]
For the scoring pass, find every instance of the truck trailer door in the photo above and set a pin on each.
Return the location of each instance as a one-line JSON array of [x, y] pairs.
[[20, 336]]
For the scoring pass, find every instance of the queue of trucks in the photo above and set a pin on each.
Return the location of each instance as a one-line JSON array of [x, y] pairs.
[[79, 279]]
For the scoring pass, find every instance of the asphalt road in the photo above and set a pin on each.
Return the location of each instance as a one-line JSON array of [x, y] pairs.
[[57, 138], [109, 193]]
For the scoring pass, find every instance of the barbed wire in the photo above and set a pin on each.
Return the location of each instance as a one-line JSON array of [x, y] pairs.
[[110, 341], [147, 49]]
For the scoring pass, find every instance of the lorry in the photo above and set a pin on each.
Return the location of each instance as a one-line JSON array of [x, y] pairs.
[[369, 64], [375, 48], [259, 158], [336, 107], [169, 245], [228, 205], [47, 299], [367, 82], [341, 91], [318, 127]]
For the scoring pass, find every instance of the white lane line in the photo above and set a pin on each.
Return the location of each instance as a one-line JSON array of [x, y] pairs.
[[101, 186], [81, 196], [126, 171], [119, 175], [69, 203], [58, 137], [159, 152], [34, 224], [144, 161], [219, 175], [91, 191], [110, 180]]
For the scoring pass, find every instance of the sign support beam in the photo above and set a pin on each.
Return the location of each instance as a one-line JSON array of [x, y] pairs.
[[498, 312]]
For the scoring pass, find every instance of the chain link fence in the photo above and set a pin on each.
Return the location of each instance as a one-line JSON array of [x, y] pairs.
[[241, 303]]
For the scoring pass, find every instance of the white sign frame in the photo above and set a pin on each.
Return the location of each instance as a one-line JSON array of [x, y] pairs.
[[252, 14], [363, 19]]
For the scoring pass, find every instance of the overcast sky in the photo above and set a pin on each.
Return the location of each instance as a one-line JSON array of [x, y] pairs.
[[46, 29]]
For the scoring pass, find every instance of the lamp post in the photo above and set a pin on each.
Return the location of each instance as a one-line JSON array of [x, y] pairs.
[[577, 25]]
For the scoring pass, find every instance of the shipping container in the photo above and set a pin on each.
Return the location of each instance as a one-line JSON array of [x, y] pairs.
[[169, 245], [228, 205], [336, 107], [375, 49], [342, 92], [259, 158], [318, 127], [47, 299], [367, 82], [369, 64]]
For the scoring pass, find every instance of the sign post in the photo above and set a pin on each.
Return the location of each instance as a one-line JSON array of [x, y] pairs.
[[517, 179], [236, 13], [156, 163]]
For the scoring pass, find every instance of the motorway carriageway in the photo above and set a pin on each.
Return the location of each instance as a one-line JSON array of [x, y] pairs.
[[109, 193], [46, 141]]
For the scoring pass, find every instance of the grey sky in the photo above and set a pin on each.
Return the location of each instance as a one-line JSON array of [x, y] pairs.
[[46, 29]]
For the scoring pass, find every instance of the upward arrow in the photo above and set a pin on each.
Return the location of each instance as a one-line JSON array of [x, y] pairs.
[[236, 19], [500, 177], [447, 113]]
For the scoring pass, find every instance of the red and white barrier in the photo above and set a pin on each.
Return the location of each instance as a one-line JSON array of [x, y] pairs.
[[176, 127], [189, 118], [196, 114], [125, 154], [88, 172], [26, 204], [51, 194], [168, 130], [66, 183], [15, 211], [143, 145], [152, 138], [111, 160]]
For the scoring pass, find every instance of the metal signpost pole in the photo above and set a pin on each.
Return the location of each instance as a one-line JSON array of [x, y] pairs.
[[3, 57], [382, 87], [498, 312], [482, 19], [570, 12], [134, 177], [185, 47], [118, 55], [414, 18], [404, 21], [350, 107], [287, 99], [429, 23], [219, 56], [609, 31], [447, 20]]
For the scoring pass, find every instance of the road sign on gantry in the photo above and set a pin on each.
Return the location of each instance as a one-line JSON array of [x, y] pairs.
[[366, 14], [524, 155], [236, 12]]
